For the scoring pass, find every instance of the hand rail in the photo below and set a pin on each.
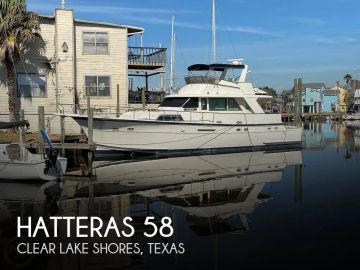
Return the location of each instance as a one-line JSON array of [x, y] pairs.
[[146, 55]]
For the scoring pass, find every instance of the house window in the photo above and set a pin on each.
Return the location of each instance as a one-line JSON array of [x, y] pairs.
[[97, 86], [31, 85], [95, 43]]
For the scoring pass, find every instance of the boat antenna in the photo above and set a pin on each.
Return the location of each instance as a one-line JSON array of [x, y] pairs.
[[172, 56], [213, 31], [63, 3]]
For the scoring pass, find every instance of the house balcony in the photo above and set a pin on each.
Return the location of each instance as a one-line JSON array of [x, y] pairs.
[[146, 58]]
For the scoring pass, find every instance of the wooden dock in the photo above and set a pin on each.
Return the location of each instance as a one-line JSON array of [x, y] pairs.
[[290, 117]]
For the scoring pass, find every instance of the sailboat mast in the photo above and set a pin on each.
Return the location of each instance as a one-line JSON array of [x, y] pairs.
[[213, 31], [172, 56]]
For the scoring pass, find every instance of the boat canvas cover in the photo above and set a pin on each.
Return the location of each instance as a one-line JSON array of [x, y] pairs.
[[215, 67]]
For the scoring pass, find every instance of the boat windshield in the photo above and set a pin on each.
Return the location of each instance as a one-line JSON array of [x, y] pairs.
[[208, 76], [212, 74], [174, 102]]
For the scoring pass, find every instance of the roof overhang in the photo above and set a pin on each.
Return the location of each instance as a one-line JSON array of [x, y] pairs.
[[131, 30]]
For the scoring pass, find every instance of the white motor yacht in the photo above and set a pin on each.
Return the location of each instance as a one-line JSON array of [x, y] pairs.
[[216, 109]]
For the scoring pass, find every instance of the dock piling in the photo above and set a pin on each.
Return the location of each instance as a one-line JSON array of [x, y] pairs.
[[62, 134], [298, 101]]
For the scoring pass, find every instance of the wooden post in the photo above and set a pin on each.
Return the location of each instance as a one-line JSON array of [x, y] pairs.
[[143, 98], [88, 103], [298, 100], [145, 91], [117, 100], [62, 134], [90, 157], [90, 138], [90, 125], [22, 130], [91, 197]]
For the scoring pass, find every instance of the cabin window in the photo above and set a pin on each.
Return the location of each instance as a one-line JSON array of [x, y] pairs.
[[204, 104], [217, 104], [97, 86], [169, 117], [233, 105], [232, 75], [31, 85], [192, 103], [173, 102], [95, 43]]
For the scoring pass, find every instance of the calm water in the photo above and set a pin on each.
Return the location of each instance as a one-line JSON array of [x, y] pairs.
[[270, 210]]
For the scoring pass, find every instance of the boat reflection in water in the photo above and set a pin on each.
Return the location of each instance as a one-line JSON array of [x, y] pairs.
[[205, 195], [211, 189]]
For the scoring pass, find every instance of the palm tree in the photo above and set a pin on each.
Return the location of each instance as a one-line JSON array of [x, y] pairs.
[[17, 28], [348, 79]]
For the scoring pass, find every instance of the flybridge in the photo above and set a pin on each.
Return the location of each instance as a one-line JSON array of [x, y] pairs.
[[234, 72]]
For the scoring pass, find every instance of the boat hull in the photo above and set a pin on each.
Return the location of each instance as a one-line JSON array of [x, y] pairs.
[[353, 117], [178, 137], [17, 163]]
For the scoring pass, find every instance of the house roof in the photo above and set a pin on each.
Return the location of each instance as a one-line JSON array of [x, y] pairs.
[[131, 29], [312, 85], [330, 92]]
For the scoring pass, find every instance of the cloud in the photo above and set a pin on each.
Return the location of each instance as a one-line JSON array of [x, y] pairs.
[[196, 26], [108, 9], [310, 21], [247, 29]]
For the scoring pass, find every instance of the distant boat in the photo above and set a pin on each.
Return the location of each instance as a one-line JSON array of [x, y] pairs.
[[353, 116], [17, 163], [353, 113]]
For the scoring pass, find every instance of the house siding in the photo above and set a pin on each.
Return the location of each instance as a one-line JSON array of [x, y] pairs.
[[113, 64], [330, 103], [71, 68], [312, 99]]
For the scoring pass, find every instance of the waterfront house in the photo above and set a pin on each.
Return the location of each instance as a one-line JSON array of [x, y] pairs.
[[330, 101], [312, 97], [342, 96], [90, 59]]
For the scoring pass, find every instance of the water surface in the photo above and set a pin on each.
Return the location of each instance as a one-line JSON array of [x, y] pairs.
[[271, 210]]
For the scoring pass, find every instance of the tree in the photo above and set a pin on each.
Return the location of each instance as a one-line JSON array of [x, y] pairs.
[[348, 79], [18, 27], [270, 91]]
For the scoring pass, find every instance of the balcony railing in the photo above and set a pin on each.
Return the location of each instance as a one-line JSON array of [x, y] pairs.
[[146, 57], [150, 97]]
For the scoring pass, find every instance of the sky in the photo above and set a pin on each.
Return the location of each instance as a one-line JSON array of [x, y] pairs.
[[317, 40]]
